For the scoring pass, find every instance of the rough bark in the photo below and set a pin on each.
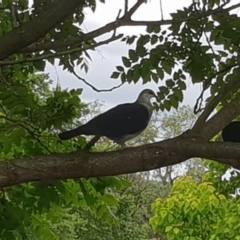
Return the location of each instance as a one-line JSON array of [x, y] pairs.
[[172, 151], [29, 32], [144, 158]]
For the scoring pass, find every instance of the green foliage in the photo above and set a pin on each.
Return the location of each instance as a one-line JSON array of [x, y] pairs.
[[225, 179], [110, 208], [30, 115], [196, 211], [204, 48]]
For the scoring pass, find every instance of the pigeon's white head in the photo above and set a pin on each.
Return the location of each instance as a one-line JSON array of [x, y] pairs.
[[145, 97]]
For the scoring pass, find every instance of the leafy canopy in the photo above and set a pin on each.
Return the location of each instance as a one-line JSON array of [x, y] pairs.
[[199, 45]]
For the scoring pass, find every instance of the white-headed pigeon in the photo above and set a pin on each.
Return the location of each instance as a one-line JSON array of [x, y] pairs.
[[120, 123]]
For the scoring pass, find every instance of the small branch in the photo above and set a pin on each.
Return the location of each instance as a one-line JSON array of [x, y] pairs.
[[87, 36], [91, 143], [216, 123], [161, 10], [125, 7], [118, 17], [54, 55], [224, 70], [198, 105], [134, 9], [51, 15], [222, 94], [124, 21], [209, 43], [91, 86]]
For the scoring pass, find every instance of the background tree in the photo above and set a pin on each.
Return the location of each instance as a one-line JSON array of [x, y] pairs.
[[196, 211]]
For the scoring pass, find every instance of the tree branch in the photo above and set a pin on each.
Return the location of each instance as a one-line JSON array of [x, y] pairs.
[[207, 83], [224, 116], [129, 14], [53, 13], [57, 54], [93, 87], [123, 21], [130, 160], [221, 96]]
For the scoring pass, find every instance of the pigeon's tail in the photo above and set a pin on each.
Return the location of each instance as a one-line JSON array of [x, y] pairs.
[[73, 133]]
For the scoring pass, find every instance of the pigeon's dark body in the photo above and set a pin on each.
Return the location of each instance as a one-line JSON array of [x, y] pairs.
[[231, 133], [120, 123]]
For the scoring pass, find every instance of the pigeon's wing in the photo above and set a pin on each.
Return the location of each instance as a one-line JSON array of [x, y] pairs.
[[121, 120]]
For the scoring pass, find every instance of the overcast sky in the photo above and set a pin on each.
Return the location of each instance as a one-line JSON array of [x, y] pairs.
[[104, 61]]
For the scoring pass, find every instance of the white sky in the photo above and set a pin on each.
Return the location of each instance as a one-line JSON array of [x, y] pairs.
[[104, 61], [109, 56]]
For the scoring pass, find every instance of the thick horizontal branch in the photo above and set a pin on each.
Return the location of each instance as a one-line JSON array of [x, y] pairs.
[[53, 13], [144, 158], [120, 22]]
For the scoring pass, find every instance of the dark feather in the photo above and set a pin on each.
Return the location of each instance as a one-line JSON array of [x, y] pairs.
[[231, 133], [124, 119]]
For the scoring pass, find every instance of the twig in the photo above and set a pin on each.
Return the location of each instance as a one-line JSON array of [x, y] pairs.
[[125, 7], [91, 143], [117, 18], [124, 21], [13, 16], [134, 9], [45, 56], [161, 9], [197, 107], [198, 104], [209, 43], [91, 86]]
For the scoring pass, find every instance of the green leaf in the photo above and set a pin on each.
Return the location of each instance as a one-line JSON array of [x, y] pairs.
[[176, 230], [141, 51], [160, 73], [110, 200], [126, 62], [154, 39], [123, 77], [133, 55], [130, 40], [167, 105], [136, 74], [163, 90], [182, 85], [115, 75], [174, 101], [120, 68], [168, 228], [170, 83], [166, 67], [155, 77]]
